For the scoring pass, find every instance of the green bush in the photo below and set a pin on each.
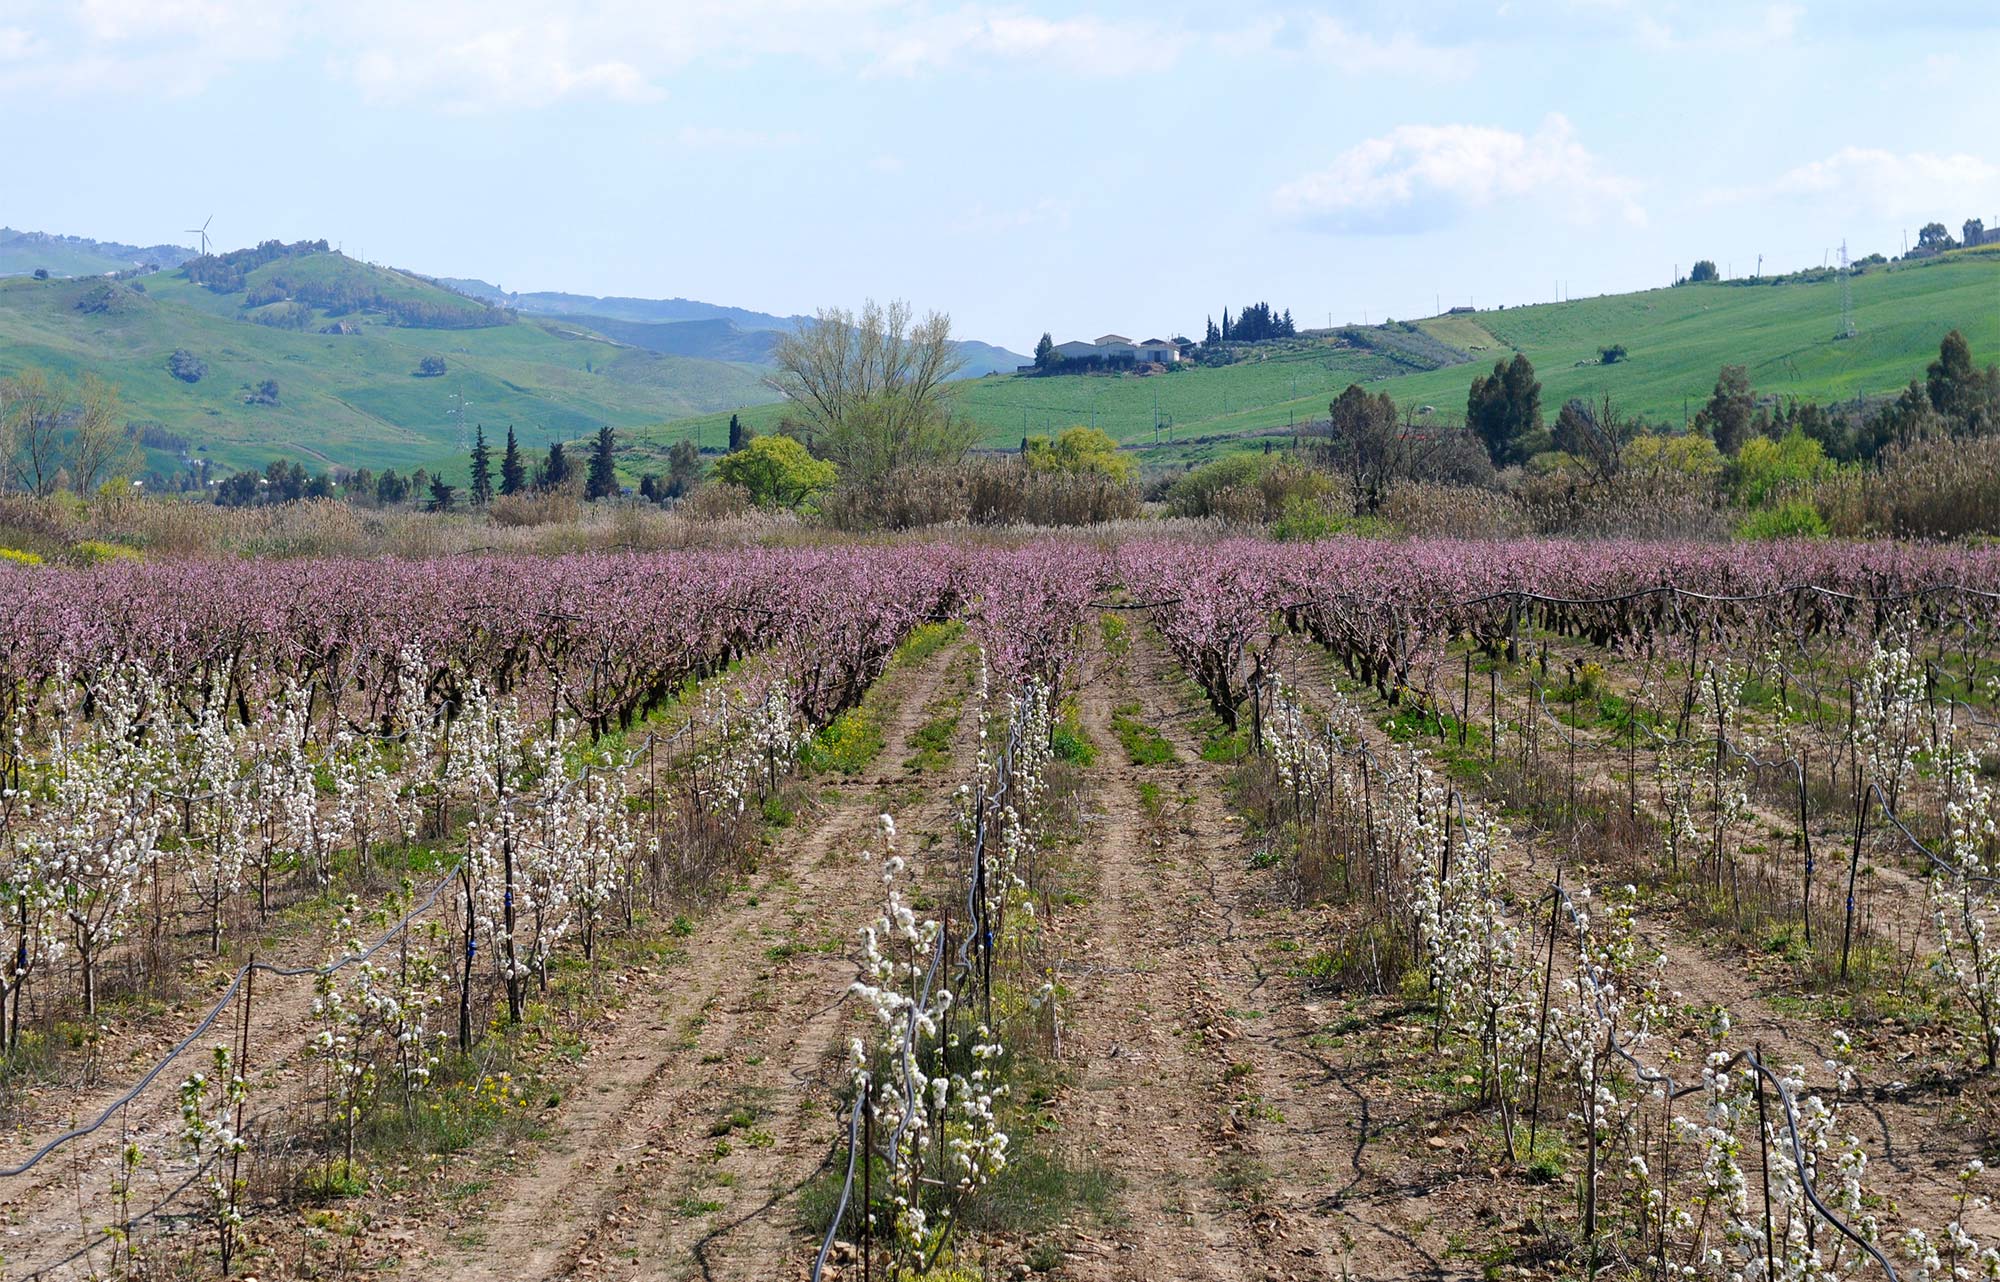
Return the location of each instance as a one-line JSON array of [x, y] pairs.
[[1304, 520], [1793, 519], [1249, 488], [1768, 472]]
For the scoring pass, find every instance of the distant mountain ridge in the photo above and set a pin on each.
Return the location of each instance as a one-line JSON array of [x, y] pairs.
[[25, 252], [645, 311], [689, 327]]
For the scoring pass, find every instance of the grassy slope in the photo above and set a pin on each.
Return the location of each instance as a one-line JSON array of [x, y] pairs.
[[1677, 340], [347, 399], [58, 260]]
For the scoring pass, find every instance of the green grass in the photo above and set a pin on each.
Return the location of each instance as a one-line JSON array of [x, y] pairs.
[[1676, 340], [1144, 745], [847, 744], [349, 399]]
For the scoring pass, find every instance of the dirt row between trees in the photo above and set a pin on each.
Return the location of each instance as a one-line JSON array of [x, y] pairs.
[[1916, 1111], [1241, 1149], [695, 1122]]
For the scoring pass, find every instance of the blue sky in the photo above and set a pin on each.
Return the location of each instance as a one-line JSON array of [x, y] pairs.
[[1130, 167]]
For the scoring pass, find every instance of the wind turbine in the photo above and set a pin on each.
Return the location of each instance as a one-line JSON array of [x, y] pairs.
[[201, 231]]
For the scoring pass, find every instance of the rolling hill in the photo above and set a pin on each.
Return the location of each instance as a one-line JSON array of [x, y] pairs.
[[24, 252], [343, 339], [349, 397], [1675, 339], [686, 327]]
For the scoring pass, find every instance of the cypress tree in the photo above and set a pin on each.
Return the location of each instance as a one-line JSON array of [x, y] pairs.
[[482, 470], [555, 470], [513, 476], [602, 481], [736, 441]]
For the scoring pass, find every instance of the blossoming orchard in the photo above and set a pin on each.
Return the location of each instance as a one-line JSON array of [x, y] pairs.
[[945, 910]]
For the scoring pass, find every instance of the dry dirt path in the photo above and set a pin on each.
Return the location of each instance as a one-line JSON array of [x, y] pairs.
[[1241, 1150], [692, 1128]]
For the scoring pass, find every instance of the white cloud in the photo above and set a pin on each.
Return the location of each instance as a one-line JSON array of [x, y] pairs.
[[976, 32], [1418, 177], [1891, 184], [1330, 42], [1668, 27], [468, 55], [522, 66]]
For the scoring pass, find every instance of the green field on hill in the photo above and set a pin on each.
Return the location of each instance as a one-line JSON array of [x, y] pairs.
[[1676, 340], [348, 399]]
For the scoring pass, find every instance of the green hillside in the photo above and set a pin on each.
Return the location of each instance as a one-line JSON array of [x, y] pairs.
[[1676, 340], [25, 252], [347, 398]]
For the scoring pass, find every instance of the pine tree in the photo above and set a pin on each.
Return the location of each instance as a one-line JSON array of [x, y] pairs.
[[1213, 336], [1226, 326], [441, 495], [513, 476], [602, 481], [555, 469], [482, 470]]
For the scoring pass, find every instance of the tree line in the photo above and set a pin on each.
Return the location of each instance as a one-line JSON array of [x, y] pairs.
[[1254, 324]]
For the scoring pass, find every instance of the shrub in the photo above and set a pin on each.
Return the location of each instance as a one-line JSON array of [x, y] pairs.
[[777, 472], [1792, 519], [1768, 471], [1079, 450], [97, 552], [1248, 489], [186, 366], [724, 501], [10, 556], [1938, 489], [982, 492], [541, 507], [1453, 511]]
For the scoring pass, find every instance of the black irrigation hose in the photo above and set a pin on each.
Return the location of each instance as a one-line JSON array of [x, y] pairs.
[[846, 1187], [150, 1213], [208, 1020]]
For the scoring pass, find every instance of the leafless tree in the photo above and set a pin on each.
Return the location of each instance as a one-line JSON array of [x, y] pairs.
[[99, 448], [52, 432], [874, 387], [32, 408]]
